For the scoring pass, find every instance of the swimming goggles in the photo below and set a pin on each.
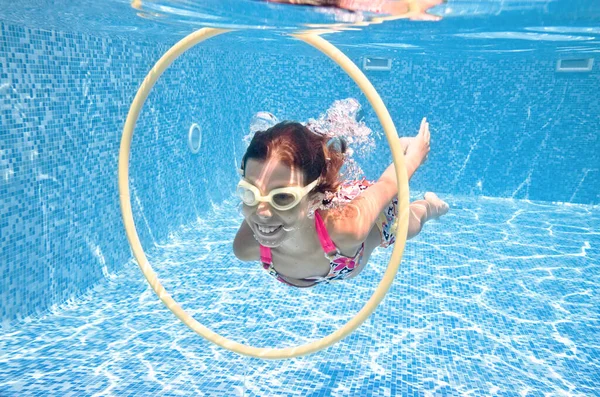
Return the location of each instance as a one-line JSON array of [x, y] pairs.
[[281, 199]]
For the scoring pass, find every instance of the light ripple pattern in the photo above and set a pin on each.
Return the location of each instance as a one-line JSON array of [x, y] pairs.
[[500, 297]]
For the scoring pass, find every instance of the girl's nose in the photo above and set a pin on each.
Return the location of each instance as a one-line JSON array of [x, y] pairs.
[[264, 210]]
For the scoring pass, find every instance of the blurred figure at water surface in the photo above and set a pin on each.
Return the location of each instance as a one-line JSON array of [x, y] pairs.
[[411, 9]]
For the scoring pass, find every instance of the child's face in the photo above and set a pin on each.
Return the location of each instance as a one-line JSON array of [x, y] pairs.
[[263, 218]]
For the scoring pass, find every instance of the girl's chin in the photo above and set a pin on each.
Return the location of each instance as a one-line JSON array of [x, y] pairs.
[[269, 244]]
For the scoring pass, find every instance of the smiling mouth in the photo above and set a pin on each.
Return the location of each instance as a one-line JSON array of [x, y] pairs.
[[268, 230]]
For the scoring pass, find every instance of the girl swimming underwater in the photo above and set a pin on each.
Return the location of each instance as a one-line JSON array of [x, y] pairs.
[[304, 224]]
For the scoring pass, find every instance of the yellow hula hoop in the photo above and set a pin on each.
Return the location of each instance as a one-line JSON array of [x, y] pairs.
[[403, 199]]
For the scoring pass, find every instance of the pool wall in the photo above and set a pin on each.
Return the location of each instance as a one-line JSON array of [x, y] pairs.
[[503, 125]]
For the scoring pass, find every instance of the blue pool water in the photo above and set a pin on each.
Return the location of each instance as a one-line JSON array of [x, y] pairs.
[[499, 297]]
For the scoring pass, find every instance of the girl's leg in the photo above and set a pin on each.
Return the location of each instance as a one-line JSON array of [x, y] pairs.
[[423, 210]]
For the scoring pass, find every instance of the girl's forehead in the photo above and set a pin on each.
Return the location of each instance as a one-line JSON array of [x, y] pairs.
[[271, 173]]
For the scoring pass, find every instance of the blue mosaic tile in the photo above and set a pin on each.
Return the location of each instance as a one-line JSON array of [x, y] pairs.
[[465, 310], [518, 293]]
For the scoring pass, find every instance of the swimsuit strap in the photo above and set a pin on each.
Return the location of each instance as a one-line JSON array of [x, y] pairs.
[[265, 255], [324, 239]]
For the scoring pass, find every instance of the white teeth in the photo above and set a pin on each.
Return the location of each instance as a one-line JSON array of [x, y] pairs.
[[267, 229]]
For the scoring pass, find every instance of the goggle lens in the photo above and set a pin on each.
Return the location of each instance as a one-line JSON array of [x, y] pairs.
[[246, 195], [283, 199]]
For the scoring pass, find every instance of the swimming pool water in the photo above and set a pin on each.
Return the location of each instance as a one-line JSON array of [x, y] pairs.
[[499, 297]]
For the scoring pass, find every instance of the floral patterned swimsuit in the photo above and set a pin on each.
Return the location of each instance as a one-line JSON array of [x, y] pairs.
[[340, 266]]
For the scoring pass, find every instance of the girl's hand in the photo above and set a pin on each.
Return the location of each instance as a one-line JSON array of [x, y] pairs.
[[417, 151]]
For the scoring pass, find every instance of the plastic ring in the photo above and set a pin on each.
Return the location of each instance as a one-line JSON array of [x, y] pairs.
[[403, 199]]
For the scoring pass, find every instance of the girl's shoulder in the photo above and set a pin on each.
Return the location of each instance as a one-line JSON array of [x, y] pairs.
[[336, 209], [341, 215]]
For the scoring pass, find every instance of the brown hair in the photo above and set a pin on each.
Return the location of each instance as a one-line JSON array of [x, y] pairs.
[[296, 146]]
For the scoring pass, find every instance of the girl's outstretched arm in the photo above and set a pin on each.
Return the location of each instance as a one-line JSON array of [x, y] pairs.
[[354, 221]]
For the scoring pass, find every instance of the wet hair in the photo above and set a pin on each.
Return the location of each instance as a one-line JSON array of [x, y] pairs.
[[296, 146]]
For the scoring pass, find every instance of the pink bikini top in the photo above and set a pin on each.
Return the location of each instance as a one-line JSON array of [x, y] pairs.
[[340, 266]]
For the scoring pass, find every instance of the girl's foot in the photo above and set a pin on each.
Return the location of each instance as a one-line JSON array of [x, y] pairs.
[[437, 206], [405, 142], [417, 151]]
